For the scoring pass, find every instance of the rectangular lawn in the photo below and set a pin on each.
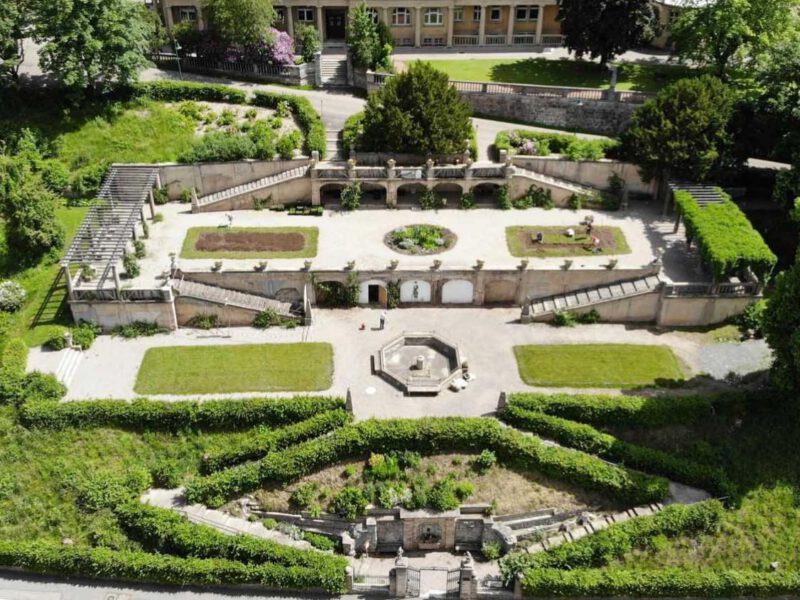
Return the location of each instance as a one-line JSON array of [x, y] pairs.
[[231, 369], [596, 365], [556, 242], [250, 242]]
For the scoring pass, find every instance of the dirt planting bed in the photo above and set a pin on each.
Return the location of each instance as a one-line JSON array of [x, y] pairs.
[[522, 241], [250, 242]]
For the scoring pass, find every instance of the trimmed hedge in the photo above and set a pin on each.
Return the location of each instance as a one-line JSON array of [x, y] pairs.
[[672, 582], [173, 416], [609, 544], [588, 439], [430, 436], [626, 411], [725, 237], [556, 143], [269, 441], [103, 563], [176, 91], [14, 357], [164, 531], [308, 119]]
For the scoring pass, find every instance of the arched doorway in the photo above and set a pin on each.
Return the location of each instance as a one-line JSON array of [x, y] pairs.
[[458, 291], [486, 193], [415, 291], [451, 192], [332, 294], [373, 194], [410, 193], [372, 291], [331, 193]]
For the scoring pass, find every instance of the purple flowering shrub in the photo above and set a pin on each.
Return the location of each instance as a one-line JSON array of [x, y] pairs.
[[276, 48]]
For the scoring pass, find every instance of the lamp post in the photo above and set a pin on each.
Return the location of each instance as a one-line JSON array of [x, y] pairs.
[[178, 58]]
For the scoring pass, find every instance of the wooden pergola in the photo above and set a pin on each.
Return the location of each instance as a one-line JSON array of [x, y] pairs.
[[102, 239]]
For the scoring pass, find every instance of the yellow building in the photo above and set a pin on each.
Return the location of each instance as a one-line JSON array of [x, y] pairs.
[[422, 23]]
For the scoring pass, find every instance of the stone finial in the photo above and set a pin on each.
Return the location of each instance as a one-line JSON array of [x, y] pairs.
[[467, 562], [400, 560], [391, 163]]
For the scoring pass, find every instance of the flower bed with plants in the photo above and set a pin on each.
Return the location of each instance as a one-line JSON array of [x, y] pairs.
[[522, 241], [420, 239]]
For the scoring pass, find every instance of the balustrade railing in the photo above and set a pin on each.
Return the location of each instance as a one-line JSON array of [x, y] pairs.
[[465, 40], [248, 67], [494, 40], [523, 39], [123, 295], [488, 172], [331, 173], [370, 173], [677, 290]]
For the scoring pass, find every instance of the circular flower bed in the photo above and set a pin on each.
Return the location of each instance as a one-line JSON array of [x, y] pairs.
[[420, 239]]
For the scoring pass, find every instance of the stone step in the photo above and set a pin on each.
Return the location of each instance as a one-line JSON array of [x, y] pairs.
[[252, 186], [68, 365], [589, 296], [219, 295]]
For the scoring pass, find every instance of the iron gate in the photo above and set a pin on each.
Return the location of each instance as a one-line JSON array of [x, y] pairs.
[[453, 583], [412, 588]]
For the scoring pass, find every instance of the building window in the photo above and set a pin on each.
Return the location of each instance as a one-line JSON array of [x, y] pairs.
[[458, 14], [495, 13], [280, 14], [527, 13], [401, 16], [305, 14], [476, 13], [187, 13], [433, 16], [373, 12]]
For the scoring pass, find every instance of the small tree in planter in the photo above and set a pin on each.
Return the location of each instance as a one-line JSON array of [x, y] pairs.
[[351, 196], [131, 265], [306, 38]]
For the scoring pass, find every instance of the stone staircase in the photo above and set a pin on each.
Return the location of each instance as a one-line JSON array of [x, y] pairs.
[[543, 307], [537, 522], [207, 202], [334, 151], [334, 70], [68, 366], [223, 296], [553, 183]]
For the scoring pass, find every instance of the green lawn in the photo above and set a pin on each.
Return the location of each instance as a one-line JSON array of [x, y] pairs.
[[189, 249], [557, 243], [571, 73], [229, 369], [45, 311], [596, 365]]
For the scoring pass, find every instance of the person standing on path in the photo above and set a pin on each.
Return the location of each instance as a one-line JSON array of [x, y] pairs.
[[383, 319]]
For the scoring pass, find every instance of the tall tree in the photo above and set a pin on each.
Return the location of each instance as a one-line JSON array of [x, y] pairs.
[[606, 28], [418, 112], [242, 22], [366, 39], [725, 35], [91, 44], [781, 327], [14, 18], [683, 132]]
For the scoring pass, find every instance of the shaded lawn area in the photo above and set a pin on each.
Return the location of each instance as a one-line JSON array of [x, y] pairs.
[[250, 242], [43, 472], [229, 369], [45, 312], [556, 243], [596, 365], [564, 72]]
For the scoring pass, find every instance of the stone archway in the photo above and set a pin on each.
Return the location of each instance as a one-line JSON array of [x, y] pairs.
[[372, 291], [373, 194], [410, 193], [331, 193], [289, 294], [458, 291], [415, 290], [450, 191], [486, 192]]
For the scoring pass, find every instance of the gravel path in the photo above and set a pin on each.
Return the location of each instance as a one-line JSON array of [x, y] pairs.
[[718, 360]]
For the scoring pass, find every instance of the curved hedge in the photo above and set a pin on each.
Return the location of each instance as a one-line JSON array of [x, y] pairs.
[[176, 91], [14, 356], [166, 532], [430, 436], [588, 439], [725, 237], [625, 411], [173, 416], [269, 441], [103, 563], [609, 544], [307, 118], [663, 583]]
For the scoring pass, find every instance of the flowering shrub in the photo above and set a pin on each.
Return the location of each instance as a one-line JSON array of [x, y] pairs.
[[12, 295], [280, 48]]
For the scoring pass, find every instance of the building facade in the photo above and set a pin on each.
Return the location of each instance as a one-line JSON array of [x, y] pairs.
[[420, 23]]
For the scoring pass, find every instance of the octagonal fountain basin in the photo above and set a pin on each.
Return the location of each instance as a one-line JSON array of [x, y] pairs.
[[419, 363]]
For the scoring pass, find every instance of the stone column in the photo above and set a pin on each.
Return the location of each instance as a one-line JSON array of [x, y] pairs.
[[289, 22], [417, 26], [482, 26], [387, 16], [450, 25], [320, 28], [512, 14], [152, 202], [398, 577], [539, 24], [318, 69], [67, 279], [467, 584]]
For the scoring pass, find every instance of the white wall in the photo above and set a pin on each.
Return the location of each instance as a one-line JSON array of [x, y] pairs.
[[363, 290], [407, 291], [457, 291]]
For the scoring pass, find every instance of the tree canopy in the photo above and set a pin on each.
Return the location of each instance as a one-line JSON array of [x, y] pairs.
[[14, 17], [243, 22], [369, 42], [725, 35], [606, 28], [94, 44], [781, 325], [417, 112], [683, 132]]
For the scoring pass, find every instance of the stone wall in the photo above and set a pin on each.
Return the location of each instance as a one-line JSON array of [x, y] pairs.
[[591, 173], [702, 310], [284, 193], [606, 118], [207, 178], [110, 314], [186, 308]]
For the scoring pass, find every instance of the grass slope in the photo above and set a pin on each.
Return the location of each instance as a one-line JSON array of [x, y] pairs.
[[242, 368], [189, 250], [570, 73], [596, 365]]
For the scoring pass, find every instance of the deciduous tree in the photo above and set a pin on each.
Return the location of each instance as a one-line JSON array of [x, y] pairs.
[[606, 28], [781, 327], [14, 18], [366, 39], [91, 44], [417, 111], [243, 22]]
